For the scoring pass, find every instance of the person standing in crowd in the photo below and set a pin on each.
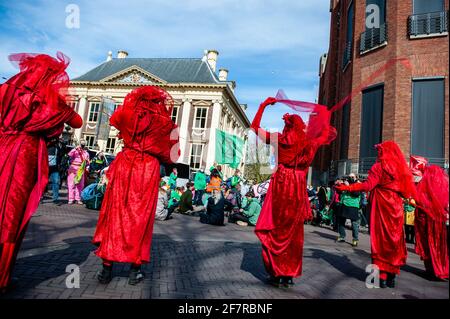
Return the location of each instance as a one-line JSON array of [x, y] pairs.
[[215, 210], [55, 155], [335, 205], [249, 214], [431, 220], [76, 175], [365, 222], [389, 182], [409, 208], [280, 226], [125, 225], [32, 112], [350, 205], [200, 186], [173, 179]]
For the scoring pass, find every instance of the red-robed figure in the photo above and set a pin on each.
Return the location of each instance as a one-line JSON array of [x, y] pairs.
[[286, 205], [430, 220], [125, 226], [389, 182], [32, 112]]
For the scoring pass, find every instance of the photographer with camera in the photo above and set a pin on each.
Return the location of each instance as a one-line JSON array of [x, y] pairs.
[[350, 205]]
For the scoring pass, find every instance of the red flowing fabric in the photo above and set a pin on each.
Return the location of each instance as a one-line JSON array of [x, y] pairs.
[[430, 221], [286, 206], [32, 111], [389, 182], [125, 226]]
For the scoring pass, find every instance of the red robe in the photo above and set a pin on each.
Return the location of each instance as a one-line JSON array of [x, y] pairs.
[[286, 205], [125, 226], [386, 218], [429, 222], [27, 122]]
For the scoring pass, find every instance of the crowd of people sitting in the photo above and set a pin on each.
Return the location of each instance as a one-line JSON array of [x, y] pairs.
[[209, 197]]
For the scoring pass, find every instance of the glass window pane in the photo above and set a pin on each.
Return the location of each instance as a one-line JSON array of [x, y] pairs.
[[426, 6]]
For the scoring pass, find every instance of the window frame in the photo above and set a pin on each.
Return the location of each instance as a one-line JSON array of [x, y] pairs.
[[194, 125], [96, 113], [200, 156]]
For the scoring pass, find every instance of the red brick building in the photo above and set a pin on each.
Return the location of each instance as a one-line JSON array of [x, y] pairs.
[[406, 104]]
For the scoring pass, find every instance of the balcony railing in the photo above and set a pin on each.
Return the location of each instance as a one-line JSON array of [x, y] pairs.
[[340, 168], [373, 38], [428, 24]]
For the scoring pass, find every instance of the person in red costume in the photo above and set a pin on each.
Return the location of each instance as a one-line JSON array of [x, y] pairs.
[[32, 112], [125, 225], [430, 220], [389, 182], [286, 206]]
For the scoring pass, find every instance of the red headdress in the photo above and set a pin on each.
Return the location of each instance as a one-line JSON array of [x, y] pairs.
[[41, 73], [432, 192], [147, 100], [394, 164]]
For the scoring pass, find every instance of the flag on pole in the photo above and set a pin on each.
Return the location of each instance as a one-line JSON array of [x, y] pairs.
[[228, 149]]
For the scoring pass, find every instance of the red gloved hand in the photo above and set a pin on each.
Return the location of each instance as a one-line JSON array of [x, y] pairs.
[[269, 100], [342, 188]]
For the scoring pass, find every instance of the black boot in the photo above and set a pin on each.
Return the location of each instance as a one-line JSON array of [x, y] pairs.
[[287, 282], [105, 275], [383, 283], [136, 275], [390, 282], [275, 281]]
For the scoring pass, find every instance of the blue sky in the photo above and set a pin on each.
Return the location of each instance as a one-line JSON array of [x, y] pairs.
[[265, 44]]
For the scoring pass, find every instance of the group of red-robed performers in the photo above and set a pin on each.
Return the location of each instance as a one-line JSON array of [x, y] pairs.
[[33, 110], [390, 183]]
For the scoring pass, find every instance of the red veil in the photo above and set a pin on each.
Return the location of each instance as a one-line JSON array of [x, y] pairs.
[[393, 163]]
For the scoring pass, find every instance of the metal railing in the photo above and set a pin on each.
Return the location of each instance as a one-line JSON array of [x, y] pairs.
[[433, 23], [347, 54], [343, 167], [373, 38]]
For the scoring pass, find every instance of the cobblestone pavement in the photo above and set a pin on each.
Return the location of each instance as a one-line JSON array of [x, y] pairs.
[[192, 260]]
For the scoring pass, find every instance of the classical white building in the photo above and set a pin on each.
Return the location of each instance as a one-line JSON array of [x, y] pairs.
[[204, 102]]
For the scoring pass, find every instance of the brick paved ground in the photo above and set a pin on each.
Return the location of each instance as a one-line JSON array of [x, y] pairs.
[[192, 260]]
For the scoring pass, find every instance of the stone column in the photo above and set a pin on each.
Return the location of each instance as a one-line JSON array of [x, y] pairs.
[[184, 134], [211, 144], [82, 106]]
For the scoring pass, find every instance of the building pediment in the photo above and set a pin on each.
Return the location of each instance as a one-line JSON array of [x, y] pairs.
[[134, 75]]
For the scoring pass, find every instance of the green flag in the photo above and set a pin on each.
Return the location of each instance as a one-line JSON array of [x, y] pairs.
[[228, 149]]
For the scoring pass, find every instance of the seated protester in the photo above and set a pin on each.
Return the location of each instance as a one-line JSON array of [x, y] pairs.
[[249, 214], [99, 162], [175, 196], [162, 212], [214, 210], [185, 206]]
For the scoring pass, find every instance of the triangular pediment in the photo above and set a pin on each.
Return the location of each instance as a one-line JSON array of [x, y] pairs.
[[134, 75]]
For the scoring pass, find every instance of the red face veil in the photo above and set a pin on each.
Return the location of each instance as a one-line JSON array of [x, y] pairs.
[[42, 74], [432, 192], [393, 163], [294, 129], [150, 99]]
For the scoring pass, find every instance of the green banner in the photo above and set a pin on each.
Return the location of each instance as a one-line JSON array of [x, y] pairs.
[[228, 149]]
